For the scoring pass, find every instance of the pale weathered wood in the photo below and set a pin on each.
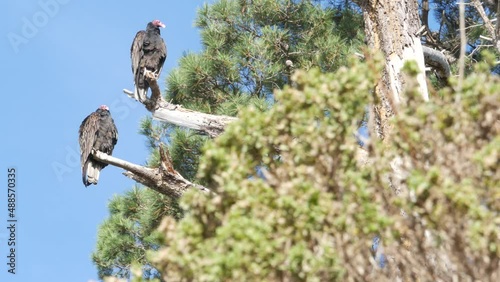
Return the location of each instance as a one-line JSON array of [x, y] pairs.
[[393, 28], [211, 125], [164, 179]]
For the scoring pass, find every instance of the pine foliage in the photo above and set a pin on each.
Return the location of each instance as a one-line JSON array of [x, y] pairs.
[[246, 45], [130, 231]]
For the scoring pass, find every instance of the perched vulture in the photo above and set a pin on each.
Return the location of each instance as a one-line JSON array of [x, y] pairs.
[[97, 132], [148, 52]]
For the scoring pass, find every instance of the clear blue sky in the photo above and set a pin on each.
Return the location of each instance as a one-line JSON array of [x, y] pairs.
[[59, 62]]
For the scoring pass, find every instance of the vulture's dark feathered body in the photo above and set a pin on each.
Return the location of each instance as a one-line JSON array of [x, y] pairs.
[[97, 132], [148, 52]]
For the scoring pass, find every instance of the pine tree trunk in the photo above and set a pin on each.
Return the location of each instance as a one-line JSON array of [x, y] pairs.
[[392, 27]]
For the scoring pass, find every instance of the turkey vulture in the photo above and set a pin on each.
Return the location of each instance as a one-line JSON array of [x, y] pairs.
[[97, 132], [148, 52]]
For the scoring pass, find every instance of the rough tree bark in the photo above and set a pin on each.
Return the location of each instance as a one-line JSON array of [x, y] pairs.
[[392, 27]]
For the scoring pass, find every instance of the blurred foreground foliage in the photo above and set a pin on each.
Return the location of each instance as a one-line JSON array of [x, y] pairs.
[[298, 200]]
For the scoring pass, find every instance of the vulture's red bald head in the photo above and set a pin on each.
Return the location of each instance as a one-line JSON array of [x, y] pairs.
[[158, 23], [104, 107]]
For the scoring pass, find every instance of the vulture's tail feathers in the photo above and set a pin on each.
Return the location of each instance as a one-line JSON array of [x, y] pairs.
[[140, 94], [92, 172], [84, 174], [136, 92], [141, 85]]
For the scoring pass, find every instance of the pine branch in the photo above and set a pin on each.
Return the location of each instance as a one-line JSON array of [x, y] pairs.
[[163, 179], [211, 125]]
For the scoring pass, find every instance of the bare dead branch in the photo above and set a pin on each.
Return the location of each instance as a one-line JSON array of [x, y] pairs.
[[164, 179], [487, 22], [211, 125], [438, 61]]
